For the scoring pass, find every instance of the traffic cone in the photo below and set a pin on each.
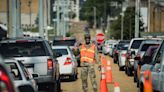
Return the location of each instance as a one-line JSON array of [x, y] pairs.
[[103, 86], [148, 81], [116, 87], [109, 78]]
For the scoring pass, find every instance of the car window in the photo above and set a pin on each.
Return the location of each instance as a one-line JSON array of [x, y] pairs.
[[136, 44], [146, 46], [62, 51], [14, 71], [25, 71], [22, 49], [70, 42]]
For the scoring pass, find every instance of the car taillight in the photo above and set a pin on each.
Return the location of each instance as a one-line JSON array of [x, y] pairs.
[[5, 78], [123, 55], [50, 64], [68, 61]]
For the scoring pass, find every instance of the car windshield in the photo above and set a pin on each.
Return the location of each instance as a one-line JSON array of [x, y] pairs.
[[13, 70], [70, 42], [22, 49], [121, 46], [62, 51], [124, 47], [136, 44]]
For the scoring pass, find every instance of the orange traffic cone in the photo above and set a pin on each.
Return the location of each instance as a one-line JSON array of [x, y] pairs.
[[103, 86], [116, 87], [109, 72], [148, 81]]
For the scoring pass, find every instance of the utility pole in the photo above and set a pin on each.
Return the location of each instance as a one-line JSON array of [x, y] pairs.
[[41, 30], [9, 18], [149, 13], [122, 25], [29, 5], [95, 21], [137, 12], [58, 17]]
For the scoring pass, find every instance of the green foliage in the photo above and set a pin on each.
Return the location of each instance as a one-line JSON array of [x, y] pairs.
[[103, 9], [129, 25]]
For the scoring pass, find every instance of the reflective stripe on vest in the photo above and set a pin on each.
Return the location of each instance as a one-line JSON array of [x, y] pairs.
[[87, 55]]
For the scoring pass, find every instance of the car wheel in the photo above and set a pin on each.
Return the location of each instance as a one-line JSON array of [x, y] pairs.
[[129, 71], [52, 87], [74, 77], [125, 70], [121, 68], [58, 85], [135, 76], [141, 88]]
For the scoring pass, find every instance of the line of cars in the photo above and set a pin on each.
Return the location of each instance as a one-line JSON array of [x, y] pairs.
[[36, 63], [142, 54]]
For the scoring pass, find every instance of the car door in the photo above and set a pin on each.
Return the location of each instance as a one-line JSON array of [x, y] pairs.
[[156, 69]]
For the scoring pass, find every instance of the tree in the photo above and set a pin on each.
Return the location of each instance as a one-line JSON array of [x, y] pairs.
[[103, 9], [129, 25]]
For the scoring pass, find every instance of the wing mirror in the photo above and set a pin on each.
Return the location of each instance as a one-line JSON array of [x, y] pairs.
[[35, 75]]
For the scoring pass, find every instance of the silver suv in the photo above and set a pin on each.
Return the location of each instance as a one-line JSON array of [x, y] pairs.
[[37, 56], [157, 70]]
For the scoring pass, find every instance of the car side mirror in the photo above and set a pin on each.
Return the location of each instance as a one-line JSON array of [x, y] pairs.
[[26, 88], [35, 75]]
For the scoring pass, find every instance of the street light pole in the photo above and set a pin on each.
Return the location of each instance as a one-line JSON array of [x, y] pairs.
[[95, 21], [29, 5], [137, 11], [122, 25]]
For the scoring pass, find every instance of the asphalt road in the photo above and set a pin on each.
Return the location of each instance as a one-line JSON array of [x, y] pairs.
[[126, 83]]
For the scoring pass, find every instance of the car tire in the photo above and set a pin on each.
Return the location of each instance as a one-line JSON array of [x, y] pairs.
[[135, 76], [52, 87], [129, 71], [74, 77], [141, 88], [121, 68], [58, 85]]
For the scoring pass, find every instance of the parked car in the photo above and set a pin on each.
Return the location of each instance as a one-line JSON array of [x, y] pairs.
[[107, 48], [141, 51], [131, 52], [6, 83], [117, 49], [157, 71], [122, 56], [111, 50], [37, 55], [147, 59], [67, 62], [20, 74]]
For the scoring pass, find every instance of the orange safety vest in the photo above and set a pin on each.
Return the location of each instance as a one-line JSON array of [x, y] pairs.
[[87, 55]]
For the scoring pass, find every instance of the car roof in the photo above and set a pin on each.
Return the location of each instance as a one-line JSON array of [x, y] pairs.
[[22, 38]]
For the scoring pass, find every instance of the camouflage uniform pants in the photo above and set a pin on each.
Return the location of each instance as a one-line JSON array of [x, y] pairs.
[[85, 71]]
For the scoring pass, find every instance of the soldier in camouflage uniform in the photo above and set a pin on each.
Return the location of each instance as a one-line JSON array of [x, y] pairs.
[[89, 56]]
